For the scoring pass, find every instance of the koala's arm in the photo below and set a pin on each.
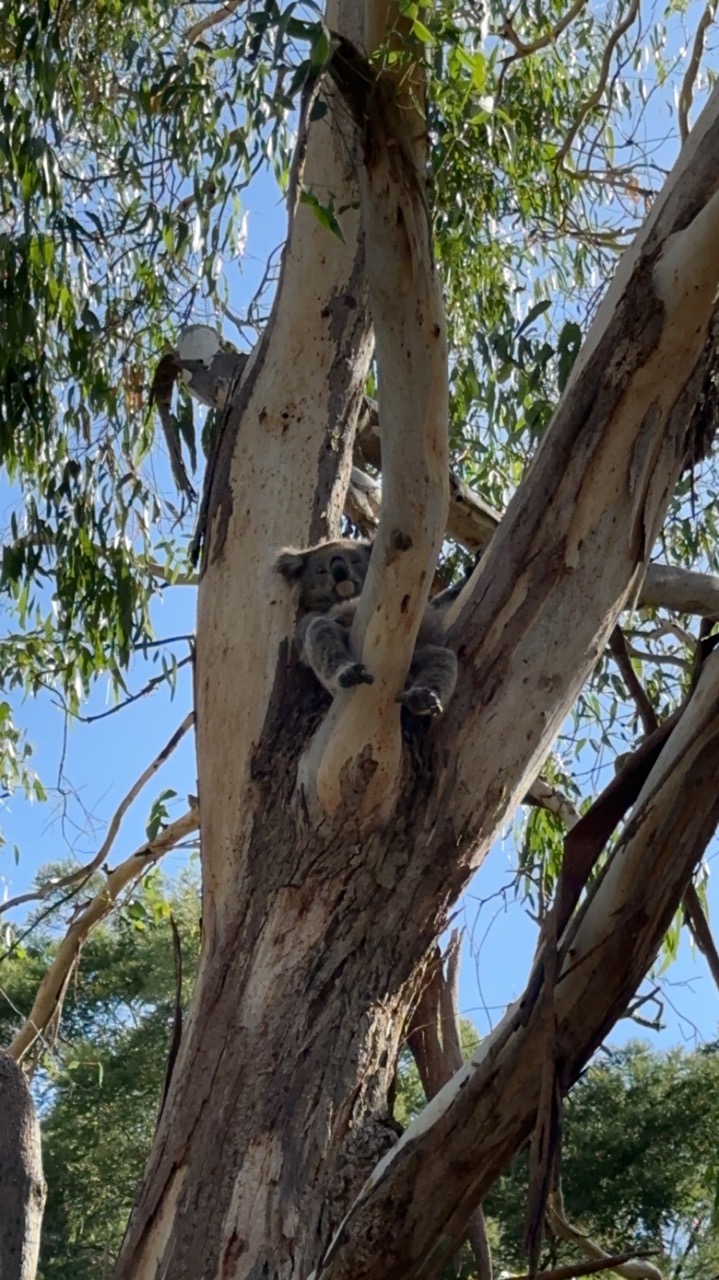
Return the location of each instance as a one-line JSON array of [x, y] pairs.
[[431, 681], [323, 642], [433, 673]]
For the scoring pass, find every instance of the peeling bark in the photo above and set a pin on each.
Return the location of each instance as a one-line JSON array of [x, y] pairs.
[[480, 1118], [321, 898]]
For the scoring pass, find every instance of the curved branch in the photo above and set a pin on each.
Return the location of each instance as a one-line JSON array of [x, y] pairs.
[[631, 1269], [360, 737], [686, 93], [81, 874], [595, 98], [522, 50], [51, 991]]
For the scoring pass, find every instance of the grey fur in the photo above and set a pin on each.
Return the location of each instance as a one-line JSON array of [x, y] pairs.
[[330, 577]]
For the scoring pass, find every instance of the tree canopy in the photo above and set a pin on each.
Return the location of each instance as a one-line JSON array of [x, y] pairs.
[[430, 364]]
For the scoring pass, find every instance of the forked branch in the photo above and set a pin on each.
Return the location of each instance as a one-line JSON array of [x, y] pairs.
[[51, 991], [51, 887]]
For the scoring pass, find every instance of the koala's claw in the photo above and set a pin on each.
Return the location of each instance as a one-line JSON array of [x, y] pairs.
[[354, 673], [421, 701]]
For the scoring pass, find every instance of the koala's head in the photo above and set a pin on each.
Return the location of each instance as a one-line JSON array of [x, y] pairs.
[[327, 574]]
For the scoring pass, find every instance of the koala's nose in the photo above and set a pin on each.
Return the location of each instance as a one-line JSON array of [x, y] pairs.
[[339, 570]]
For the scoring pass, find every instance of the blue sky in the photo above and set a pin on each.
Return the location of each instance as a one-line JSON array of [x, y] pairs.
[[103, 759]]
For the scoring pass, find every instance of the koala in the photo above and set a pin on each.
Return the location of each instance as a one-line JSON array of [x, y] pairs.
[[330, 578]]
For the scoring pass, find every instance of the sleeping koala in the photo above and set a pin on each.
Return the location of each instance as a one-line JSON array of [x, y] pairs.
[[330, 577]]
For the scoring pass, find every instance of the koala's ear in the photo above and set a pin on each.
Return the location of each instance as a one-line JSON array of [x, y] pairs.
[[291, 564]]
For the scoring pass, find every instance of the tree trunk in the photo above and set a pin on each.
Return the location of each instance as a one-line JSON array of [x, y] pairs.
[[22, 1187], [335, 838]]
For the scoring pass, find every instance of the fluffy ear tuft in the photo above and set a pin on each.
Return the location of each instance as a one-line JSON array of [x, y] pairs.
[[291, 564]]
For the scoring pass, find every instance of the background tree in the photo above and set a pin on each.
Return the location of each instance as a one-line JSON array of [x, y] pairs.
[[101, 1086], [334, 841]]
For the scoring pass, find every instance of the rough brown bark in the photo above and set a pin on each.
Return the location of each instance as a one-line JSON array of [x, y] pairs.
[[22, 1187]]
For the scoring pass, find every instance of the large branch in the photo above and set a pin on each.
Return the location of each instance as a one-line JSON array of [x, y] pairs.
[[359, 743], [424, 1191], [471, 522], [571, 551], [293, 414]]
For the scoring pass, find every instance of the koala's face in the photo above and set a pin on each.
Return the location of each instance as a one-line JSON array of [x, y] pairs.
[[328, 574]]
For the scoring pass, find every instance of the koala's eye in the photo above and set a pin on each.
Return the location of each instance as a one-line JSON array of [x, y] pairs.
[[322, 573]]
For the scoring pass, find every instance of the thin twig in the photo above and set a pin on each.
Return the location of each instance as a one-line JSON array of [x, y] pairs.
[[83, 873], [595, 98], [134, 697]]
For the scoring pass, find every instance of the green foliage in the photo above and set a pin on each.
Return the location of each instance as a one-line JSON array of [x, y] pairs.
[[639, 1166], [100, 1087], [638, 1161]]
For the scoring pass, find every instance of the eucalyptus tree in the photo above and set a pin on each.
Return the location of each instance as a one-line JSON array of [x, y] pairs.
[[442, 160]]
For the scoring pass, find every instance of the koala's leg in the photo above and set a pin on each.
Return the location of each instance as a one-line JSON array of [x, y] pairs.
[[431, 681], [324, 645]]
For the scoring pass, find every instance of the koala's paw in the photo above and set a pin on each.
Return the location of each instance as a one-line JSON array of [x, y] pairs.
[[354, 673], [421, 701]]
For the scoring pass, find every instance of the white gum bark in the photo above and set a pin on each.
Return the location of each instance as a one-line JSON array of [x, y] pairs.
[[358, 747], [285, 482], [571, 550]]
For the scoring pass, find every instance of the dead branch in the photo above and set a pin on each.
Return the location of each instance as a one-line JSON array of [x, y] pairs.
[[631, 1268], [83, 873], [51, 991], [700, 931]]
